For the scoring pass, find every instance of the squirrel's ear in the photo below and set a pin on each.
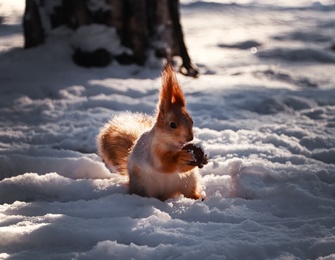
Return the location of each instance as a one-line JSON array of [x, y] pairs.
[[171, 92], [165, 96]]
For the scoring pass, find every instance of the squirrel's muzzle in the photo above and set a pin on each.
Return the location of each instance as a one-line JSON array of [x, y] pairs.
[[189, 137]]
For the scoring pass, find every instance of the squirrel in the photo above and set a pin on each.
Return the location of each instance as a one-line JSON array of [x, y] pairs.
[[149, 149]]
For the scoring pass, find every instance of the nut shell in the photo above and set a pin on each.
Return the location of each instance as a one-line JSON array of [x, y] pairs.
[[200, 158]]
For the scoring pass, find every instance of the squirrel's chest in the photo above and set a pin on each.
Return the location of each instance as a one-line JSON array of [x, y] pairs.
[[148, 181], [161, 182]]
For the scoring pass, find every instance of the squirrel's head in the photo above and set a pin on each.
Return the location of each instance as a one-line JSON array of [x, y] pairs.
[[172, 117]]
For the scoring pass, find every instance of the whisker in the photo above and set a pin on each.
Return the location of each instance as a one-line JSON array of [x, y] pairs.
[[202, 121]]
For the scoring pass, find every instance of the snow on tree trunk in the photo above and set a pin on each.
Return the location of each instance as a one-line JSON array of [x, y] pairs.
[[127, 30]]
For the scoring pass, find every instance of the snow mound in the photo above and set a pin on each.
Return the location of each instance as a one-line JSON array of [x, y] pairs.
[[93, 37], [266, 119]]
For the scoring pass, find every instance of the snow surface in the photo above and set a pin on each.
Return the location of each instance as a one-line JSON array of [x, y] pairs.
[[264, 108], [92, 37]]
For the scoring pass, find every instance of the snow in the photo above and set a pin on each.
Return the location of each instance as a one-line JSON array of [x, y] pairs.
[[93, 37], [265, 116]]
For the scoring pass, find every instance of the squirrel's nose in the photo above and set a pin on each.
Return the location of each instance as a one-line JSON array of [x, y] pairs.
[[189, 137]]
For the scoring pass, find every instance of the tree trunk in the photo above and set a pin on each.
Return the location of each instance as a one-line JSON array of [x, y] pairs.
[[33, 31], [141, 25]]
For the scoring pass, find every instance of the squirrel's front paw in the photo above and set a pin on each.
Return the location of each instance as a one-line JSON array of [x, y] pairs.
[[185, 156]]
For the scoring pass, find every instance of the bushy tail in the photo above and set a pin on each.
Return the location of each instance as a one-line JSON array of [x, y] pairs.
[[118, 136]]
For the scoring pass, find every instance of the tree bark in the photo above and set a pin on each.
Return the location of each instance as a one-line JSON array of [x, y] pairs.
[[142, 26], [33, 31]]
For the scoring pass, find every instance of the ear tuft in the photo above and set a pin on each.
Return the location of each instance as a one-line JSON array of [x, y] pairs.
[[171, 90]]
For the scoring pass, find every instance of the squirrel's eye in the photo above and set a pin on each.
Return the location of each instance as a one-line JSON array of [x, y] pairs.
[[173, 125]]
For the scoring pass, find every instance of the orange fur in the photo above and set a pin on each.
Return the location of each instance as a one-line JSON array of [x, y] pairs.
[[118, 136], [150, 152]]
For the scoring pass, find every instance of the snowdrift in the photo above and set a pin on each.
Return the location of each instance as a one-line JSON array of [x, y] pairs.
[[264, 110]]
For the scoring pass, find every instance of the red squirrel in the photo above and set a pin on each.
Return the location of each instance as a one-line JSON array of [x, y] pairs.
[[150, 150]]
